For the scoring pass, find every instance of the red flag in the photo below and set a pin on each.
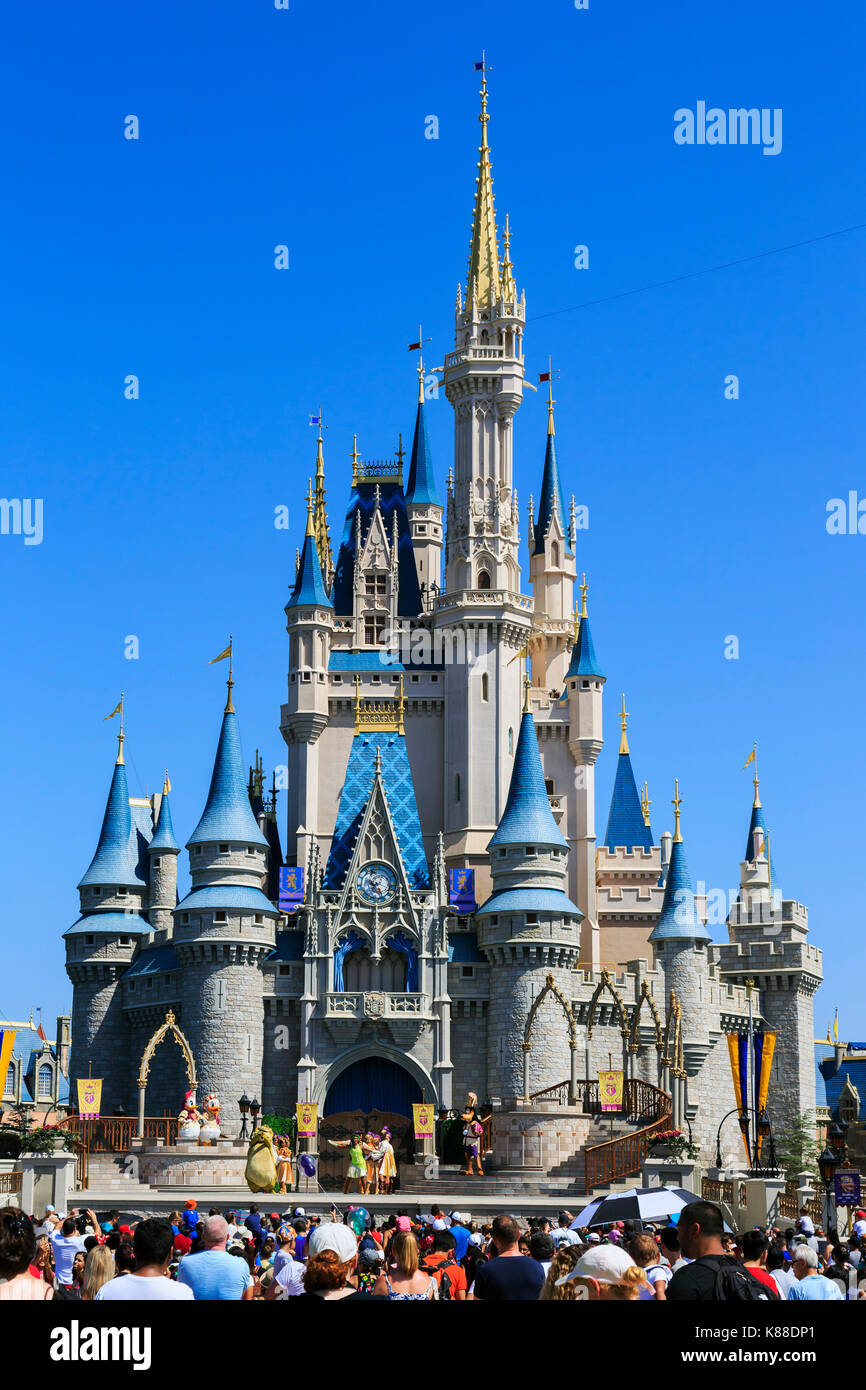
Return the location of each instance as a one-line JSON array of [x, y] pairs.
[[414, 347], [544, 376]]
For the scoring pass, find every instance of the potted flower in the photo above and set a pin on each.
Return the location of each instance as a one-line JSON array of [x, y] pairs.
[[672, 1143]]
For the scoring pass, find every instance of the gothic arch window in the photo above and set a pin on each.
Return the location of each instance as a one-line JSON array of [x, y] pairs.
[[9, 1088], [511, 742], [485, 686], [294, 652], [458, 792], [554, 553], [483, 579], [44, 1080], [485, 337]]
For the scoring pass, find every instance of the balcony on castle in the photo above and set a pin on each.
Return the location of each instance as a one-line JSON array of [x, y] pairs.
[[377, 1004]]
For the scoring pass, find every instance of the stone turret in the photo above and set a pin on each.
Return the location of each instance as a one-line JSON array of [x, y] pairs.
[[584, 684], [423, 506], [529, 928], [162, 854], [552, 573]]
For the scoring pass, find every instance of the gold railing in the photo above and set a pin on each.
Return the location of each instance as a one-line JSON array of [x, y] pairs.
[[619, 1158], [10, 1182], [715, 1190], [114, 1134], [641, 1101]]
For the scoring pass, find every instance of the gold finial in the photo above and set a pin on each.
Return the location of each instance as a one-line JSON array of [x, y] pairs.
[[623, 723], [310, 528], [320, 515], [645, 804], [576, 621], [755, 779], [230, 709], [676, 803], [583, 588], [508, 285], [166, 786], [357, 704], [401, 708], [527, 686], [550, 401], [750, 985], [377, 767], [420, 364], [355, 456], [400, 453]]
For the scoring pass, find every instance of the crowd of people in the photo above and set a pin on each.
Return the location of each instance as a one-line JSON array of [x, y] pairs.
[[445, 1257]]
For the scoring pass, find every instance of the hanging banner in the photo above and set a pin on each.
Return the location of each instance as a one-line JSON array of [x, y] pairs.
[[764, 1047], [461, 890], [610, 1089], [846, 1188], [424, 1117], [89, 1097], [291, 894], [7, 1042], [308, 1119]]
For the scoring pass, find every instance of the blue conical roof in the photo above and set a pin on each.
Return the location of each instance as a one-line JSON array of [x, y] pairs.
[[116, 860], [228, 814], [527, 818], [309, 587], [583, 659], [758, 823], [421, 486], [625, 822], [163, 836], [678, 920], [551, 496]]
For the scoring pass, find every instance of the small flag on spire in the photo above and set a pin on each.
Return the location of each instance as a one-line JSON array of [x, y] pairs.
[[222, 656], [117, 709], [750, 759], [315, 419], [544, 376], [479, 67], [414, 347]]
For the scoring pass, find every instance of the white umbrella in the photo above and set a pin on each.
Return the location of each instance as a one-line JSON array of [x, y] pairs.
[[636, 1204]]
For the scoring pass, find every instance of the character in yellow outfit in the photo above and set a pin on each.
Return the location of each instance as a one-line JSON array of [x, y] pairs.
[[284, 1162], [388, 1166]]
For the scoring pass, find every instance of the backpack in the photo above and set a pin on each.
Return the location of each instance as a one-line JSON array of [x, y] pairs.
[[734, 1284], [440, 1273]]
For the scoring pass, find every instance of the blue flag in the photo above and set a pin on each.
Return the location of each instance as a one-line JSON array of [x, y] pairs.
[[461, 890]]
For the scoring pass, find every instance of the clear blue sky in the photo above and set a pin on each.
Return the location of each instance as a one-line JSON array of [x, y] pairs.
[[156, 257]]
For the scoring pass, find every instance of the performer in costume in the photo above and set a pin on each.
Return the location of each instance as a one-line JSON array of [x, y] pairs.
[[284, 1161], [357, 1170], [374, 1154], [388, 1166], [472, 1132]]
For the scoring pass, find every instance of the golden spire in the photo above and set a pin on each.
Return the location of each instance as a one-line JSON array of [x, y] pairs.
[[420, 364], [310, 528], [120, 733], [509, 289], [166, 786], [527, 686], [401, 708], [483, 277], [755, 779], [576, 621], [355, 456], [583, 588], [357, 703], [222, 656], [320, 515], [645, 803], [676, 803], [550, 401], [623, 723]]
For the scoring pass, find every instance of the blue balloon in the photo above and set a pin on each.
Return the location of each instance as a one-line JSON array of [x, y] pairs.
[[308, 1165]]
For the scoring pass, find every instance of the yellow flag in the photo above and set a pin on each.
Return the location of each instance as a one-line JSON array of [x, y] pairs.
[[118, 707], [836, 1027], [222, 656], [750, 759]]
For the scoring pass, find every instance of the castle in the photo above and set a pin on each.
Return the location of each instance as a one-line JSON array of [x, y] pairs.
[[460, 927]]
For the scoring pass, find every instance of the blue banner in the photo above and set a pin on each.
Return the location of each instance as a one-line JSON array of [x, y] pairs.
[[846, 1184], [461, 890], [291, 894]]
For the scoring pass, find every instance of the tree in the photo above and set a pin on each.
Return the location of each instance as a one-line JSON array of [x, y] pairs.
[[797, 1147]]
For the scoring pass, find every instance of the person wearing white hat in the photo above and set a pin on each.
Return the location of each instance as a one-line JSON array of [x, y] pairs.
[[607, 1272], [332, 1254]]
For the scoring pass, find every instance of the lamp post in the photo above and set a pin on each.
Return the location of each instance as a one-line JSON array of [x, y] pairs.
[[828, 1162], [244, 1107], [254, 1112]]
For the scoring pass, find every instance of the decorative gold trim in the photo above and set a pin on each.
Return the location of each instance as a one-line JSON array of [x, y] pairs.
[[170, 1026], [605, 983], [550, 988], [381, 716]]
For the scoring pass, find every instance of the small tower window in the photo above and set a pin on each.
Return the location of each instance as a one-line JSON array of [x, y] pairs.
[[531, 919], [219, 917], [157, 862], [554, 553], [9, 1089], [374, 629], [44, 1080], [88, 940], [121, 892], [530, 849], [458, 790], [224, 849], [548, 785], [484, 579], [485, 686], [97, 892], [511, 742]]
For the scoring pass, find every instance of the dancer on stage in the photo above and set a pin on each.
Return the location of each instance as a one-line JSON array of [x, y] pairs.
[[357, 1170], [388, 1166], [472, 1137], [284, 1161], [374, 1154]]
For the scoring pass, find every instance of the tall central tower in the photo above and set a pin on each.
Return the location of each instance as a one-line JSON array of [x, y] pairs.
[[482, 618]]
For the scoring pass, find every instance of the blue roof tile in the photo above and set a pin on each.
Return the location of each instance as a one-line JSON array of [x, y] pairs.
[[530, 900], [228, 814], [527, 818], [163, 836], [392, 503], [583, 659], [309, 590], [625, 822], [236, 895], [153, 960], [678, 919], [400, 795], [118, 923], [117, 857], [289, 947], [421, 487]]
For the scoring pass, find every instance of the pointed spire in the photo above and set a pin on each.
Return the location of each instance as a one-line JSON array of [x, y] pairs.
[[421, 488], [509, 289], [527, 818], [483, 276], [163, 835], [320, 515], [583, 659], [227, 814], [309, 590], [627, 822], [552, 502], [678, 919], [116, 859], [645, 804]]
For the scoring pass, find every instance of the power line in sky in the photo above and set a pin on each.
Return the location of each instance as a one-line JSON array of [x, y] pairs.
[[693, 274]]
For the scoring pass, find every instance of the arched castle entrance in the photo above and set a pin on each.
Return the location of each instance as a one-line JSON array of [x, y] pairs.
[[366, 1089]]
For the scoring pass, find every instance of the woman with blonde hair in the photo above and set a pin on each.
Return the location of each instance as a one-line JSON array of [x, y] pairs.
[[607, 1274], [563, 1263], [98, 1269], [403, 1280], [17, 1251]]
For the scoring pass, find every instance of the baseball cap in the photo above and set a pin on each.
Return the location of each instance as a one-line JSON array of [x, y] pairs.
[[403, 1223], [476, 1238], [593, 1238], [606, 1265], [299, 1211], [333, 1235], [440, 1225]]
